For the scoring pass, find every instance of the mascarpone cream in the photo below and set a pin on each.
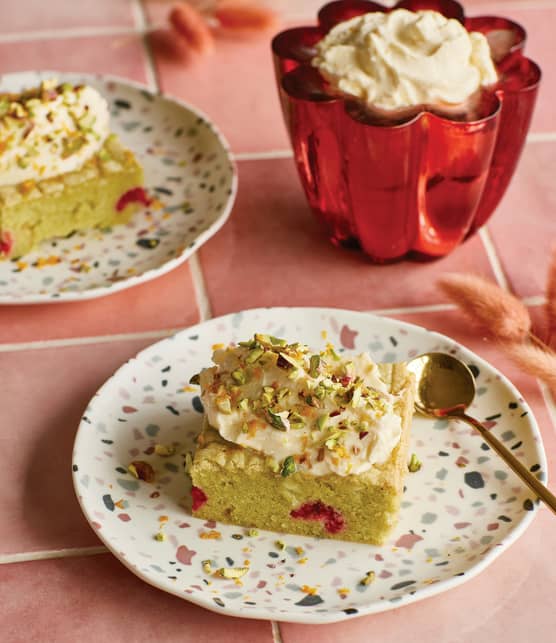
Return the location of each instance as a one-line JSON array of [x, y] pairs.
[[403, 58], [49, 131]]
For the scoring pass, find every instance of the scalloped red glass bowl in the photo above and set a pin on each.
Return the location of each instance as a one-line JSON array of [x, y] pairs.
[[418, 183]]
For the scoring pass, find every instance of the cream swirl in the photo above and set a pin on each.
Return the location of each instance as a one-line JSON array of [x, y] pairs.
[[403, 58], [330, 414], [50, 131]]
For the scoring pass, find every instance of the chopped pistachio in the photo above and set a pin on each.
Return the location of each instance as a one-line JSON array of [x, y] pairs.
[[288, 467], [224, 405], [262, 338], [296, 420], [293, 374], [254, 355], [266, 399], [268, 389], [195, 379], [164, 450], [277, 341], [252, 532], [319, 392], [368, 578], [283, 392], [188, 462], [239, 376], [245, 428], [322, 420], [414, 463], [280, 544], [232, 572], [207, 566], [314, 365], [277, 421], [356, 397], [249, 344], [244, 404], [160, 536]]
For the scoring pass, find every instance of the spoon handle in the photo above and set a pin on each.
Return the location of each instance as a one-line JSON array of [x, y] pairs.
[[530, 480]]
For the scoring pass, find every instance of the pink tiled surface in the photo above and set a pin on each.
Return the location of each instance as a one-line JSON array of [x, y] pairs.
[[272, 227], [38, 15], [119, 55], [165, 303], [107, 604], [234, 86], [42, 404], [524, 228], [271, 252]]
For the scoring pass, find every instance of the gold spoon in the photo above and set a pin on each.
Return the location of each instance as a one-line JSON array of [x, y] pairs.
[[445, 388]]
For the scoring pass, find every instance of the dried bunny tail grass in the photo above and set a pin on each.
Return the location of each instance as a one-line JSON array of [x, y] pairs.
[[190, 24], [497, 311], [550, 306], [237, 16], [535, 361]]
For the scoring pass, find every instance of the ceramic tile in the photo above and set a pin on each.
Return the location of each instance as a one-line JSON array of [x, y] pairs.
[[119, 55], [163, 303], [96, 599], [272, 228], [37, 15], [511, 590], [523, 227], [234, 86], [41, 404]]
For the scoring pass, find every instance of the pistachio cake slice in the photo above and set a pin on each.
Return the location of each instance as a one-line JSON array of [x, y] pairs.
[[302, 442], [60, 168]]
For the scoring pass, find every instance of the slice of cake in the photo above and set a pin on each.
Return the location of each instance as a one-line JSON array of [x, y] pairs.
[[302, 442], [60, 168]]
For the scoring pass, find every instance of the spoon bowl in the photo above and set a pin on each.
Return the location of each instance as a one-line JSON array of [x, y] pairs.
[[444, 384], [445, 387]]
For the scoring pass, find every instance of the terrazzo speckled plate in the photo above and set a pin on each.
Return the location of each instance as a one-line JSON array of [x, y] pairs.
[[188, 172], [459, 512]]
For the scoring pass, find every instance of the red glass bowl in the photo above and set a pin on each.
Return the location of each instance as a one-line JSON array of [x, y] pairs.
[[418, 184]]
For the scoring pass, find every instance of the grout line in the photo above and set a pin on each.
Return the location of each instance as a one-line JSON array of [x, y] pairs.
[[541, 137], [431, 308], [23, 557], [276, 634], [84, 341], [150, 67], [263, 156], [197, 277], [493, 258], [199, 286], [74, 32], [534, 300]]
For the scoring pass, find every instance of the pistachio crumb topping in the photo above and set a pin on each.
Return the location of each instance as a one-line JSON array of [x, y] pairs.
[[414, 464], [231, 572], [368, 578], [318, 409]]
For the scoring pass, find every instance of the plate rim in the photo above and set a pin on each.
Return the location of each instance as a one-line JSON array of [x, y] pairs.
[[318, 618], [167, 266]]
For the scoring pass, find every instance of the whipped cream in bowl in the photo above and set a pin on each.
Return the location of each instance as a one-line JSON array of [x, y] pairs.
[[399, 60], [50, 130]]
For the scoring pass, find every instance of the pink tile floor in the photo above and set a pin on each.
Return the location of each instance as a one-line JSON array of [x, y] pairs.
[[271, 252]]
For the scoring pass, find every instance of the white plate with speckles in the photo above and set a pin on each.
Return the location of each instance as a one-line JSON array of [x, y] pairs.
[[188, 171], [459, 512]]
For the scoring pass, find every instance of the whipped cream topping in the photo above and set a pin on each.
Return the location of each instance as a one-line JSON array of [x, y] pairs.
[[49, 131], [404, 58], [309, 411]]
